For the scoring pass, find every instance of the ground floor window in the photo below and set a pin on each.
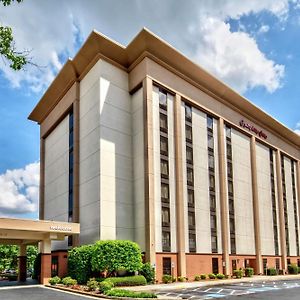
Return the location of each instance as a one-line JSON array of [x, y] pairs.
[[167, 264], [54, 266], [215, 265], [265, 265], [233, 263], [277, 262]]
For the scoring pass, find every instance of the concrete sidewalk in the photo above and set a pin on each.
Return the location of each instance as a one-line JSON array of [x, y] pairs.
[[202, 283]]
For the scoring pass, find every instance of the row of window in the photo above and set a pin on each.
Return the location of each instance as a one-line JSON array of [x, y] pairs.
[[71, 172], [274, 210]]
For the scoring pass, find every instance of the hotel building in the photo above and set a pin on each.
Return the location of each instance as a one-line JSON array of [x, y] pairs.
[[141, 143]]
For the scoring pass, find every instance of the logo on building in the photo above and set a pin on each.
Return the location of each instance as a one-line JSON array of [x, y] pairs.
[[60, 228], [253, 129]]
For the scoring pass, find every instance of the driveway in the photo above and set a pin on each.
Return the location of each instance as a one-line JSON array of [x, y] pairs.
[[38, 293]]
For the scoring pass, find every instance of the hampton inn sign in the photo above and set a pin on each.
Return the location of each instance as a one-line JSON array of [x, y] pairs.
[[250, 127]]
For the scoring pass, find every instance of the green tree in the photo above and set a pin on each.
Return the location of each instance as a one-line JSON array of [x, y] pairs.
[[16, 59]]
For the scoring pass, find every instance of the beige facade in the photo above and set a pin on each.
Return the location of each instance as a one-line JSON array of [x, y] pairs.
[[160, 141]]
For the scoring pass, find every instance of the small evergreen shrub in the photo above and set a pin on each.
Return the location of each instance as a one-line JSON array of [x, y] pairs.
[[203, 276], [167, 278], [220, 276], [181, 278], [197, 278], [92, 284], [68, 281], [211, 276], [54, 280], [249, 272], [127, 281], [105, 286], [293, 269], [238, 273], [148, 272], [129, 294], [271, 272]]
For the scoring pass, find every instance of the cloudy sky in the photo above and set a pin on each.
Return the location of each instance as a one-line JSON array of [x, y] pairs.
[[251, 45]]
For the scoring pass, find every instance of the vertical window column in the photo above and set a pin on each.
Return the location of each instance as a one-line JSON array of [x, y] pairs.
[[230, 190], [274, 211], [164, 171], [295, 205], [285, 209], [212, 188], [190, 178], [71, 172]]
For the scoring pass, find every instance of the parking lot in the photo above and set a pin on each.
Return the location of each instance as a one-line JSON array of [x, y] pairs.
[[249, 290]]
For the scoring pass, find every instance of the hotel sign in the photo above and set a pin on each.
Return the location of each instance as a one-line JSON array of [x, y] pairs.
[[60, 228], [253, 129]]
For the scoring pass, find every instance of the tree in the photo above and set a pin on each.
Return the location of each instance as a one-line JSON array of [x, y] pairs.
[[16, 59]]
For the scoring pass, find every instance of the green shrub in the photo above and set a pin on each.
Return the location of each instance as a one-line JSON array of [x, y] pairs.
[[211, 276], [167, 278], [249, 272], [181, 278], [105, 286], [68, 281], [37, 267], [197, 278], [127, 281], [129, 294], [148, 272], [238, 273], [54, 280], [203, 276], [79, 263], [220, 276], [271, 272], [92, 284], [110, 256], [293, 269]]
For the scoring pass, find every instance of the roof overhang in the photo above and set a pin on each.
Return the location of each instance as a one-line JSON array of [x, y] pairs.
[[146, 43], [21, 231]]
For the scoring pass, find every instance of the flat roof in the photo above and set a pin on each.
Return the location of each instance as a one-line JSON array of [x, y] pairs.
[[146, 43]]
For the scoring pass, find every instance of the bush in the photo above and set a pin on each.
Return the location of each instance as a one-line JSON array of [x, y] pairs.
[[238, 273], [127, 281], [110, 256], [203, 276], [271, 272], [105, 286], [220, 276], [54, 280], [293, 269], [130, 294], [167, 278], [148, 272], [211, 276], [197, 278], [68, 281], [249, 272], [79, 263], [92, 284], [181, 278], [37, 267]]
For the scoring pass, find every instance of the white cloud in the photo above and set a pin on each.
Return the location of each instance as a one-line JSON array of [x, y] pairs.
[[51, 29], [19, 190], [263, 29]]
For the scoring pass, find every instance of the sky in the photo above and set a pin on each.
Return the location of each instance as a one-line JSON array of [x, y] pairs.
[[253, 46]]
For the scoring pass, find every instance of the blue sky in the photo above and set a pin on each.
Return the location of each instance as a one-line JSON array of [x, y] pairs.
[[253, 46]]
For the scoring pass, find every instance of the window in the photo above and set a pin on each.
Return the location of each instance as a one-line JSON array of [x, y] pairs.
[[192, 242], [212, 202], [232, 245], [265, 265], [229, 169], [214, 244], [166, 241], [191, 197], [54, 266], [210, 141], [163, 145], [163, 122], [165, 216], [191, 219], [70, 241], [215, 265], [210, 123], [211, 182], [188, 133], [232, 225], [233, 264], [213, 222], [167, 266], [71, 167], [189, 155], [165, 192], [164, 168], [190, 176], [188, 112], [162, 99], [231, 206], [277, 262], [211, 161], [228, 132], [230, 187]]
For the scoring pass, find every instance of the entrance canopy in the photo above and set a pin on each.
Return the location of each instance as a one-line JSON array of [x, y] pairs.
[[26, 232]]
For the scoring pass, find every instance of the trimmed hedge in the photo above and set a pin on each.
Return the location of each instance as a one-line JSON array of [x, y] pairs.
[[197, 278], [54, 280], [203, 276], [238, 273], [293, 269], [220, 276], [68, 281], [92, 284], [249, 272], [130, 294], [211, 276], [105, 286], [271, 272], [79, 263], [110, 256], [127, 281], [148, 272], [167, 278]]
